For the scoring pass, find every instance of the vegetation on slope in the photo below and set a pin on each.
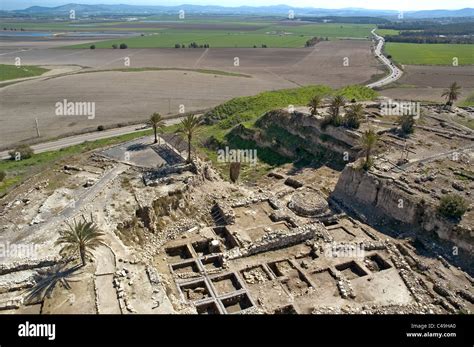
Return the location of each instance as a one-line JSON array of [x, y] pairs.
[[10, 72]]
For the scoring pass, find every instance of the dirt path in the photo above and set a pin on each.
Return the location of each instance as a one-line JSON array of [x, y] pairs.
[[107, 295]]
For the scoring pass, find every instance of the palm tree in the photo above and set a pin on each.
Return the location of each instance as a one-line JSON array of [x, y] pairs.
[[314, 103], [336, 103], [189, 127], [367, 142], [452, 93], [157, 122], [82, 237], [354, 115]]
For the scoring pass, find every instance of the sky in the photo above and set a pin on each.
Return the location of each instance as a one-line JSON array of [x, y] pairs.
[[400, 5]]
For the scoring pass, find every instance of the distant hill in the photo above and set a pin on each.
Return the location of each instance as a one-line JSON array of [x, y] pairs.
[[281, 10]]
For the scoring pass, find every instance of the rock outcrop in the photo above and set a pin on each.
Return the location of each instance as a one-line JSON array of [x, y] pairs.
[[370, 193]]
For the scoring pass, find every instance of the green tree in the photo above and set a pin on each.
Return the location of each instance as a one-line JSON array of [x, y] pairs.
[[80, 238], [337, 102], [157, 122], [367, 142], [189, 127], [452, 206], [314, 103], [353, 116], [407, 123], [452, 93]]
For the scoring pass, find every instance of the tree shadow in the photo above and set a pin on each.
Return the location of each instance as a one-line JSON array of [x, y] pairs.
[[136, 147], [47, 279]]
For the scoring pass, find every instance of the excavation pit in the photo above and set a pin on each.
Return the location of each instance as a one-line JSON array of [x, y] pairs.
[[178, 253], [351, 270], [376, 263], [202, 248], [185, 267], [225, 284], [307, 260], [237, 303], [296, 283], [255, 275], [212, 263], [208, 308], [195, 291], [226, 238], [323, 278], [281, 268]]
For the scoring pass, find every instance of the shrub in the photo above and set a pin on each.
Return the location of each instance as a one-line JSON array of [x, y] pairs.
[[114, 46], [92, 47], [407, 124], [24, 151], [100, 128], [177, 45], [123, 46], [452, 206], [2, 175]]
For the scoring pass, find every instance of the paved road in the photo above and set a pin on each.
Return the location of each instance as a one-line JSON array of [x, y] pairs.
[[395, 72], [78, 139]]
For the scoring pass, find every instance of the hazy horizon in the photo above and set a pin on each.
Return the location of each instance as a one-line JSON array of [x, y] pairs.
[[399, 5]]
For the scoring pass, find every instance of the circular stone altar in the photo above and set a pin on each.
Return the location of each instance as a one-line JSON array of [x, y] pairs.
[[308, 202]]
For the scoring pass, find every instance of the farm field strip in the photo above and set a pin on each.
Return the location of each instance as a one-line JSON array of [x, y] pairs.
[[430, 54]]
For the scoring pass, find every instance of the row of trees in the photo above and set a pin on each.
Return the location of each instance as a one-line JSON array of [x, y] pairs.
[[352, 118], [429, 39], [13, 29], [313, 41], [121, 46], [191, 45]]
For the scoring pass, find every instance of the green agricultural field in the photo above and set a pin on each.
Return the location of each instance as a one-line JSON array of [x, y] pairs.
[[385, 32], [10, 72], [430, 54], [240, 36], [214, 39]]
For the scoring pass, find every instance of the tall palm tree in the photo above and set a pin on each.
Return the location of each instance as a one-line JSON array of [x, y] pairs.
[[367, 142], [354, 115], [452, 93], [157, 122], [82, 237], [314, 103], [337, 102], [189, 127]]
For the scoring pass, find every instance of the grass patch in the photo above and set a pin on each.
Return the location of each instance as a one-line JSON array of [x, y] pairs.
[[220, 123], [468, 101], [10, 72], [18, 171], [430, 54], [143, 69]]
